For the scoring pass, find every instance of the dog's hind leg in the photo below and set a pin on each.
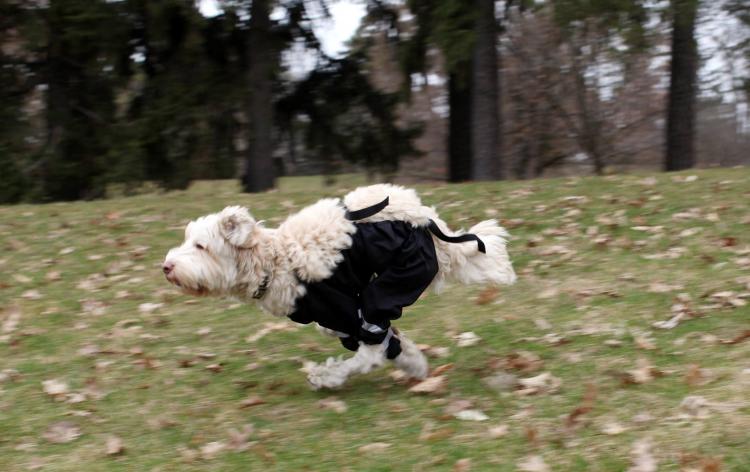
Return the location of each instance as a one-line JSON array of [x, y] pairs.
[[334, 372], [411, 360]]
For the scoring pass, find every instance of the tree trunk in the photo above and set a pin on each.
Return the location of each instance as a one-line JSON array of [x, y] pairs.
[[680, 152], [459, 127], [259, 169], [485, 130]]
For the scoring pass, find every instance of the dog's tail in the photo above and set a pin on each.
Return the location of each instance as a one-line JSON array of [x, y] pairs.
[[467, 264]]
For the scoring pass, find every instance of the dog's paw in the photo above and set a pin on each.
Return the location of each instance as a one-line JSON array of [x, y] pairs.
[[412, 362], [324, 375]]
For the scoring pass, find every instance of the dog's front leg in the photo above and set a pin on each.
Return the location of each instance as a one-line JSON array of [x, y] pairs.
[[334, 372], [411, 360]]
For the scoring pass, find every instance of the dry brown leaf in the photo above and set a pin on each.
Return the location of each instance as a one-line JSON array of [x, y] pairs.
[[269, 328], [471, 415], [252, 401], [523, 361], [498, 431], [238, 439], [374, 447], [613, 428], [694, 375], [12, 318], [542, 383], [643, 373], [211, 450], [114, 446], [467, 339], [429, 385], [487, 295], [441, 369], [643, 342], [455, 406], [55, 388], [462, 465], [532, 464], [334, 404], [62, 432], [587, 404], [641, 458], [737, 339]]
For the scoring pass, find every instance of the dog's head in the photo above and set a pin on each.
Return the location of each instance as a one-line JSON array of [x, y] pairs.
[[208, 261]]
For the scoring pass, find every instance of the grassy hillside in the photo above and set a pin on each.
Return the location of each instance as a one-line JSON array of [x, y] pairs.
[[105, 367]]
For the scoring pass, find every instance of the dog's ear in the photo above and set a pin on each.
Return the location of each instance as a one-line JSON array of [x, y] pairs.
[[236, 226]]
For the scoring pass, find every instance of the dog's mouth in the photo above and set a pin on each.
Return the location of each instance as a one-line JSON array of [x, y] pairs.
[[198, 291]]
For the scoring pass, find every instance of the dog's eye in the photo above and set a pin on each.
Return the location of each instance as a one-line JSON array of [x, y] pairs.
[[200, 247]]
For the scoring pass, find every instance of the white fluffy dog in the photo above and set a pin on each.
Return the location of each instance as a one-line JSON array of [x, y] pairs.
[[349, 266]]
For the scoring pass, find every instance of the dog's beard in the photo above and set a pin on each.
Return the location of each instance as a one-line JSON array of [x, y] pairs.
[[205, 283]]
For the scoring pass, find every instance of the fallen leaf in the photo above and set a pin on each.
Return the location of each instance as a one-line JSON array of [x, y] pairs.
[[456, 406], [523, 361], [429, 385], [471, 415], [374, 447], [487, 295], [694, 375], [695, 407], [641, 458], [587, 404], [613, 428], [498, 431], [114, 446], [12, 318], [462, 465], [737, 339], [31, 295], [211, 450], [441, 369], [332, 403], [9, 375], [268, 328], [467, 339], [238, 439], [501, 382], [146, 308], [643, 342], [252, 401], [542, 383], [55, 388], [532, 464], [643, 373], [62, 432]]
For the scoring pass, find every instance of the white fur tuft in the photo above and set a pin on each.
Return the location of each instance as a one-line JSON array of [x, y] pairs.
[[464, 263]]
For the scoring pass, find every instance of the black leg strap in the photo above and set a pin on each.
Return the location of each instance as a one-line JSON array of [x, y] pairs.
[[456, 239], [433, 227], [366, 212]]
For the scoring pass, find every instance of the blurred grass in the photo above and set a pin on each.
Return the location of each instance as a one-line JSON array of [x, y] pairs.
[[588, 287]]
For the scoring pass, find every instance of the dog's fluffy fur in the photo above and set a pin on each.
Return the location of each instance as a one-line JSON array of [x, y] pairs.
[[231, 254]]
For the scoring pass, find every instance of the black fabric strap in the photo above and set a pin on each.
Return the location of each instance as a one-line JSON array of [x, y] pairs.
[[366, 212], [456, 239]]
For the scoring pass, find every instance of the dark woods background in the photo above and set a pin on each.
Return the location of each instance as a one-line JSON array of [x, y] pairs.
[[96, 94]]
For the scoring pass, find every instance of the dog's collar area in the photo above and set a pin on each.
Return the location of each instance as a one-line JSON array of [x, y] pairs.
[[262, 288]]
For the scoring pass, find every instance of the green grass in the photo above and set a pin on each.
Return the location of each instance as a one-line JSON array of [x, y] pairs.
[[588, 290]]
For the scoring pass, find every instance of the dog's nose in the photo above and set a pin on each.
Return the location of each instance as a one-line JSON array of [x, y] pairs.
[[167, 267]]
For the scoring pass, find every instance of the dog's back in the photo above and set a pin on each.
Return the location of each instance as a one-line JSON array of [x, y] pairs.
[[459, 262]]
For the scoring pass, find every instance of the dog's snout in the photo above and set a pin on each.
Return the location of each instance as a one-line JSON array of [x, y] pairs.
[[167, 267]]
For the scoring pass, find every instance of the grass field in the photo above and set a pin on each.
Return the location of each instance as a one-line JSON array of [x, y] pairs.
[[103, 366]]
